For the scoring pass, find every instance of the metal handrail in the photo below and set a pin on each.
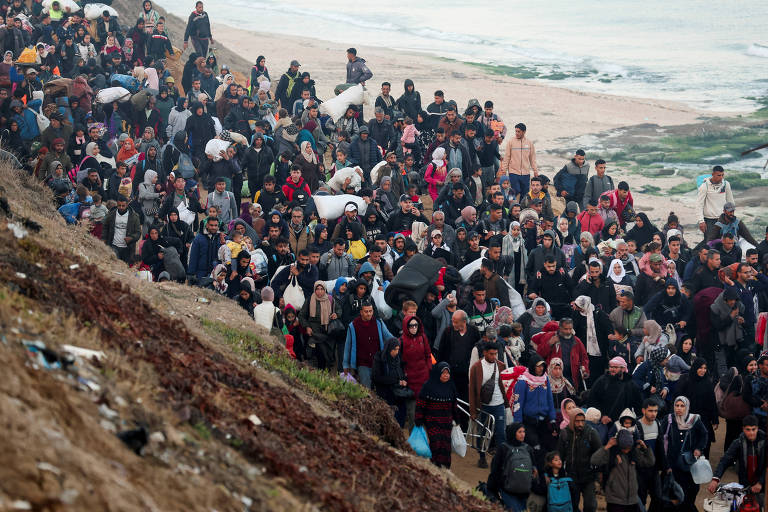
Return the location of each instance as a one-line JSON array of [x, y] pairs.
[[480, 430]]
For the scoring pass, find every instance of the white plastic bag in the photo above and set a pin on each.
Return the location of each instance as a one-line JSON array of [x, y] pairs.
[[337, 181], [375, 172], [336, 107], [215, 146], [701, 471], [111, 94], [65, 5], [385, 312], [94, 11], [332, 207], [293, 294], [458, 443]]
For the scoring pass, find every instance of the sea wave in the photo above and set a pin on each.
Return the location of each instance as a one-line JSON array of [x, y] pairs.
[[758, 50]]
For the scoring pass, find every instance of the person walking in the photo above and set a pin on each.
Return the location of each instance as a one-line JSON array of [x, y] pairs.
[[437, 410], [486, 393]]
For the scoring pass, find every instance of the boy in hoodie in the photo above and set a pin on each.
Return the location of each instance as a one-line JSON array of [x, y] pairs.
[[224, 202], [270, 197], [627, 421]]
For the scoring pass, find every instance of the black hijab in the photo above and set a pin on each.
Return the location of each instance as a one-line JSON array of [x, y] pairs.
[[644, 234], [436, 390]]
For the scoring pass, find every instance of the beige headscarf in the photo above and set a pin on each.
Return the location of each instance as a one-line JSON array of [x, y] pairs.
[[324, 303]]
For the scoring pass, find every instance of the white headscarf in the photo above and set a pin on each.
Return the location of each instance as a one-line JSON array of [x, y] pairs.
[[438, 157], [588, 310], [307, 152], [616, 278]]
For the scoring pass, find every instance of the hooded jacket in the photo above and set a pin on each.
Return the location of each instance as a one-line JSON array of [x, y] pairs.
[[357, 71], [576, 450], [409, 103], [622, 482], [177, 118], [200, 128], [572, 178]]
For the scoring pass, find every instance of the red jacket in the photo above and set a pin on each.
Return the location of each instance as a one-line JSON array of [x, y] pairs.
[[579, 356], [619, 206], [592, 223], [416, 356], [290, 188]]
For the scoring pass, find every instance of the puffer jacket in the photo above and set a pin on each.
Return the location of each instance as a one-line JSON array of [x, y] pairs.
[[572, 178], [576, 451]]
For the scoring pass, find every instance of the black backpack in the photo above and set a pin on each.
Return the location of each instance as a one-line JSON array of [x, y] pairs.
[[518, 470]]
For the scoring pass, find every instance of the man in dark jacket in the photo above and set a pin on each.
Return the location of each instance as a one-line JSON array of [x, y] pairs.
[[554, 286], [199, 29], [159, 43], [571, 180], [256, 163], [707, 275], [458, 155], [108, 26], [648, 286], [577, 443], [403, 219], [536, 257], [748, 453], [121, 229], [286, 84], [597, 289], [204, 252], [357, 71], [614, 391], [381, 130], [363, 151], [111, 190]]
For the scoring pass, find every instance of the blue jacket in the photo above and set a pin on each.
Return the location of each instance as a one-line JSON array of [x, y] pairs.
[[203, 254], [746, 296], [355, 155], [27, 120], [350, 347], [533, 403], [642, 378]]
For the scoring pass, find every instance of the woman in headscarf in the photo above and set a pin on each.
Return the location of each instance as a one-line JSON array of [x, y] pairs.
[[610, 232], [258, 70], [592, 326], [669, 306], [643, 231], [436, 410], [684, 436], [468, 219], [535, 405], [389, 378], [177, 117], [535, 318], [190, 70], [436, 173], [219, 276], [654, 337], [246, 297], [562, 390], [315, 315], [110, 46], [698, 387], [649, 376], [417, 358], [563, 233], [513, 245], [582, 251], [618, 276], [310, 169], [517, 439], [461, 244], [127, 150], [738, 382], [229, 80], [92, 150], [12, 138]]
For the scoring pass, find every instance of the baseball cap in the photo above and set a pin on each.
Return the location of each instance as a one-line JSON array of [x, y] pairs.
[[31, 71], [405, 198], [655, 258], [729, 207], [351, 207], [295, 63], [378, 110], [170, 80]]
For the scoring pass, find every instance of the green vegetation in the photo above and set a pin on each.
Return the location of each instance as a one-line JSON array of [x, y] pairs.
[[202, 431], [745, 180], [320, 383], [682, 188]]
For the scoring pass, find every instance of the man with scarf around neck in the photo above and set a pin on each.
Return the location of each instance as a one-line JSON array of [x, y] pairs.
[[570, 349], [315, 315], [365, 337], [488, 369], [683, 432], [649, 375], [614, 391], [577, 443], [748, 453]]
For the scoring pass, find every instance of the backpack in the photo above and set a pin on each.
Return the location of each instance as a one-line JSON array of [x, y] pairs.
[[518, 470], [291, 83], [559, 495]]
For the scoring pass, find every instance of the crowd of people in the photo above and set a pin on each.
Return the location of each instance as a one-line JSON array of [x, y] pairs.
[[594, 342]]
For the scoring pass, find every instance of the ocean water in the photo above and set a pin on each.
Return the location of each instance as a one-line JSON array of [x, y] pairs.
[[711, 55]]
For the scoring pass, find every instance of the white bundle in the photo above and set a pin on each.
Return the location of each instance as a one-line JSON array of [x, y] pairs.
[[111, 94], [375, 172], [65, 5], [332, 207], [214, 147], [336, 107], [94, 11], [337, 181]]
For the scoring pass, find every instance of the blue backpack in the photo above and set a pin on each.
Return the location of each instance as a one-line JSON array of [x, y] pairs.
[[559, 495]]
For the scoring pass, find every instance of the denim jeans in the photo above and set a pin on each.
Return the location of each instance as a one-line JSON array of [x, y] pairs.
[[520, 182], [364, 376], [513, 502], [499, 429]]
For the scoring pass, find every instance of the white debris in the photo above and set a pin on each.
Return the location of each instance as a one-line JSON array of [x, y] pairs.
[[18, 230], [44, 466], [107, 412], [254, 419], [85, 353]]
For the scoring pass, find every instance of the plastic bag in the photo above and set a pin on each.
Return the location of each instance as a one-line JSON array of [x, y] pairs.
[[332, 207], [94, 11], [701, 471], [336, 107], [419, 442], [385, 312], [293, 294], [214, 147], [111, 94], [458, 443], [337, 181], [348, 378]]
